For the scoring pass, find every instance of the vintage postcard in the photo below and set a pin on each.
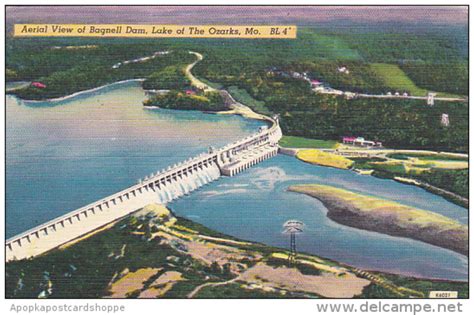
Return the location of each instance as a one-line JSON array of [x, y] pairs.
[[251, 152]]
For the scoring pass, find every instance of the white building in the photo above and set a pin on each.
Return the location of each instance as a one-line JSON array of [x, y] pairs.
[[343, 69], [430, 99], [445, 120]]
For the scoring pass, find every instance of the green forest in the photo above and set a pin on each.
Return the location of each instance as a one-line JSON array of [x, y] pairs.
[[421, 60], [209, 101], [76, 70]]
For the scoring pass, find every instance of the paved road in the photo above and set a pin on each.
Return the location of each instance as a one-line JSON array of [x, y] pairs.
[[384, 96]]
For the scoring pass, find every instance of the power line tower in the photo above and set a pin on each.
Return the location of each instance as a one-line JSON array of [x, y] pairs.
[[292, 227]]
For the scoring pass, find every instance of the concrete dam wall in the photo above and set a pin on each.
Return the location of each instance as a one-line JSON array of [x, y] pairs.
[[165, 186]]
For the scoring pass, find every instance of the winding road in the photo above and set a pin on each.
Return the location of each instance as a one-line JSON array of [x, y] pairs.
[[236, 108], [195, 81]]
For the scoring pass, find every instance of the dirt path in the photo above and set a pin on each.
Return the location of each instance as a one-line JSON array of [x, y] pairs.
[[241, 109], [209, 284], [195, 81], [236, 107]]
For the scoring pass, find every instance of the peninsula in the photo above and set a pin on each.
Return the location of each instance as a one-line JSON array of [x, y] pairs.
[[388, 217]]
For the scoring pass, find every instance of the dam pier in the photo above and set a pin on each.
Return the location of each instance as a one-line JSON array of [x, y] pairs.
[[164, 186]]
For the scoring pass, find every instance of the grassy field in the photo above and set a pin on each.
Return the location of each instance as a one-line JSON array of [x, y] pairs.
[[324, 159], [301, 142], [411, 165], [241, 95], [395, 78], [314, 44]]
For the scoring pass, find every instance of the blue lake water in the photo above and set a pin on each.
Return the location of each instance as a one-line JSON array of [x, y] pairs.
[[63, 155], [255, 204]]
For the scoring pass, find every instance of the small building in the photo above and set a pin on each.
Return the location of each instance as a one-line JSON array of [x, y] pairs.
[[295, 74], [276, 117], [315, 83], [361, 142], [445, 120], [38, 85], [430, 98], [348, 140], [343, 69]]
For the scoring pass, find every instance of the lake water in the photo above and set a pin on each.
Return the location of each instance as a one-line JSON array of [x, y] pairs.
[[63, 155], [255, 204]]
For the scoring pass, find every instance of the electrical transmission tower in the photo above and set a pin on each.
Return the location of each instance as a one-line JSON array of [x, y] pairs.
[[292, 227]]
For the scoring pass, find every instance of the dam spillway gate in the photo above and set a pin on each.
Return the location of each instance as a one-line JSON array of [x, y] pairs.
[[162, 187]]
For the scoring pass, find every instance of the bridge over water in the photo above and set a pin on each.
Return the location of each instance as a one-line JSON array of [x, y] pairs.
[[162, 187]]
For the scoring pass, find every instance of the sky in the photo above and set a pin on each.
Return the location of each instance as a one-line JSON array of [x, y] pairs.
[[299, 15]]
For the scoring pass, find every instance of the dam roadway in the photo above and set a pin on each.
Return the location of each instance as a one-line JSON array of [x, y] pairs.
[[162, 187]]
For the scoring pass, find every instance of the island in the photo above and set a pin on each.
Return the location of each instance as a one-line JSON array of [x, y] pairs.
[[388, 217]]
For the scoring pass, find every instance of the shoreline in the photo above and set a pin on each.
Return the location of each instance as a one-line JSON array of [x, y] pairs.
[[388, 217], [222, 238], [242, 113], [202, 244], [237, 110], [448, 195], [222, 112], [377, 152], [67, 97]]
